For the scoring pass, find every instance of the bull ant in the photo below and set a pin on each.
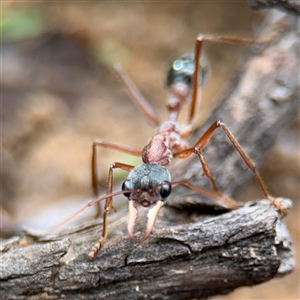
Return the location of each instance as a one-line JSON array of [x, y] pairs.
[[149, 185]]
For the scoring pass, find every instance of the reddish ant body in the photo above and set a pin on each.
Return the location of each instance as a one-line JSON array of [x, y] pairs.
[[149, 184]]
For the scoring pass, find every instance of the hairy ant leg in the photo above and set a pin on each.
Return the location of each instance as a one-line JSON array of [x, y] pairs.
[[108, 205], [137, 97], [198, 84], [206, 170], [94, 168], [204, 140], [222, 200]]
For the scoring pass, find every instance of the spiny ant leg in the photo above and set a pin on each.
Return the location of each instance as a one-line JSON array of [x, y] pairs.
[[137, 97], [203, 140], [221, 199], [208, 174], [246, 159], [108, 205], [197, 84], [252, 167], [206, 170], [218, 197], [95, 176]]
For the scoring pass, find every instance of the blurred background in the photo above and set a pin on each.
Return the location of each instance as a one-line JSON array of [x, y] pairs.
[[59, 94]]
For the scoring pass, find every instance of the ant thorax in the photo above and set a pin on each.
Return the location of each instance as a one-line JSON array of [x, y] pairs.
[[160, 148]]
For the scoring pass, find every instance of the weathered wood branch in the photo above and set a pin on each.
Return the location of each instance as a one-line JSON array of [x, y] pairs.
[[208, 256], [188, 255]]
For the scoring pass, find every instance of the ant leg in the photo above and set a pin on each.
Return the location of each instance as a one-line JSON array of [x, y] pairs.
[[197, 82], [218, 197], [222, 199], [95, 176], [108, 205], [195, 103], [137, 97], [206, 170], [252, 167], [204, 140], [281, 207]]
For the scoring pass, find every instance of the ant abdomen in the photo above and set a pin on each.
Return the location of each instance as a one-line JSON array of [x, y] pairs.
[[182, 69], [180, 82]]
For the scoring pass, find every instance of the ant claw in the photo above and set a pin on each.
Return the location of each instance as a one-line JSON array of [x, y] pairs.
[[282, 204]]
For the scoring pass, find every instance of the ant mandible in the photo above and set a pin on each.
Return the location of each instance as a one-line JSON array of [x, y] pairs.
[[149, 184]]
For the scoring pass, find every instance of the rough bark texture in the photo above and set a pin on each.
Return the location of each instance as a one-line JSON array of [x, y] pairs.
[[209, 256], [289, 5], [188, 255]]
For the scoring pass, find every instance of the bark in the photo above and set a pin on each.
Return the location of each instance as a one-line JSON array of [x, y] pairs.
[[209, 256], [188, 255], [289, 5]]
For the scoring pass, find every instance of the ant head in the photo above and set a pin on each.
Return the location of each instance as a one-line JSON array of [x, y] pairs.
[[150, 183], [148, 186], [147, 197]]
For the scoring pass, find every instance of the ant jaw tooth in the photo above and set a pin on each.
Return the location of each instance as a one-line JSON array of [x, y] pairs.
[[150, 219], [133, 239], [132, 218]]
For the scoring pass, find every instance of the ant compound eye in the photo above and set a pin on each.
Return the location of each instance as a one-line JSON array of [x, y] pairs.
[[165, 190], [125, 187]]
